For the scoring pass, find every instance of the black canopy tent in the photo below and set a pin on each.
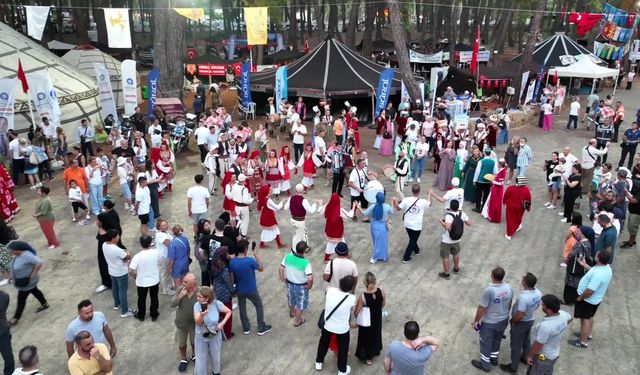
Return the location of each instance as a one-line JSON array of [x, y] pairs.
[[329, 70], [383, 45], [460, 80], [558, 50]]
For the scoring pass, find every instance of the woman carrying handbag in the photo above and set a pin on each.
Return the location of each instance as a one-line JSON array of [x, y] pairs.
[[368, 314]]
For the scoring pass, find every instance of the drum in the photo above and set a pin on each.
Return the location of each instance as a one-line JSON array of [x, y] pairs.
[[389, 171], [275, 119], [373, 188]]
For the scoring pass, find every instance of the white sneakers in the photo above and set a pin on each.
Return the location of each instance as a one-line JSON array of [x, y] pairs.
[[101, 289], [127, 314], [372, 261], [547, 204], [507, 237], [318, 366], [346, 372], [551, 206]]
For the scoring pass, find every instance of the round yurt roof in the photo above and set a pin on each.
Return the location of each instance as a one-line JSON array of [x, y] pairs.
[[76, 92], [83, 57]]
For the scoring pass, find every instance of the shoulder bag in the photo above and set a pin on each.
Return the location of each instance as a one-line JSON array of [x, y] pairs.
[[330, 271], [364, 318], [321, 318], [409, 209]]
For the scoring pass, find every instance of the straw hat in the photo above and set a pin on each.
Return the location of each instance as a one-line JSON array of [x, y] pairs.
[[121, 160]]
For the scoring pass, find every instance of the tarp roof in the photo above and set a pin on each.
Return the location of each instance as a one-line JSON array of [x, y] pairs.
[[584, 67], [282, 55], [459, 80], [54, 44], [77, 93], [552, 52], [380, 45], [330, 69]]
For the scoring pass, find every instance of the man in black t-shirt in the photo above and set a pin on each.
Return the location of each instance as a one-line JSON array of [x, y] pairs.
[[125, 151], [218, 238]]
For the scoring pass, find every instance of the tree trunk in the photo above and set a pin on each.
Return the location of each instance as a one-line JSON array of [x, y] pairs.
[[464, 20], [293, 26], [502, 30], [367, 47], [486, 27], [333, 19], [350, 38], [82, 24], [397, 29], [380, 20], [343, 13], [435, 24], [527, 54], [169, 46], [452, 31]]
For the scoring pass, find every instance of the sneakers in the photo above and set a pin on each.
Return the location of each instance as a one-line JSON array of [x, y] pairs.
[[127, 314], [234, 306], [560, 213], [169, 292], [563, 265], [507, 237], [456, 270], [182, 367], [418, 180], [247, 332], [578, 344], [405, 261], [88, 217], [547, 204], [266, 329], [444, 275], [4, 282], [116, 307], [318, 366], [551, 206], [346, 372], [372, 261], [101, 289], [564, 220]]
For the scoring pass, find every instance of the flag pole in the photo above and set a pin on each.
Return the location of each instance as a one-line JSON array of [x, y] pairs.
[[33, 123]]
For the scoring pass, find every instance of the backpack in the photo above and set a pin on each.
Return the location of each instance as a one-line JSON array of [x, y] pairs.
[[457, 226]]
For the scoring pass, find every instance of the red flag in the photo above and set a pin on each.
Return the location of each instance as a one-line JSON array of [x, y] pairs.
[[584, 22], [474, 56], [306, 43], [555, 78], [22, 77]]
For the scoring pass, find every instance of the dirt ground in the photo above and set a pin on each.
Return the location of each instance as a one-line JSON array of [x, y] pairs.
[[414, 291]]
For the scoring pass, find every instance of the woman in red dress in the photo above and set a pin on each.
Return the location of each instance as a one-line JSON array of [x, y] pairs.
[[334, 224], [308, 167], [493, 208], [274, 178], [353, 126], [268, 222], [8, 204], [517, 200], [164, 165], [285, 165], [228, 205], [254, 172]]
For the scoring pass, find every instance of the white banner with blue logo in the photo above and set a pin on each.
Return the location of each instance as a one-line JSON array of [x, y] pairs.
[[245, 89], [129, 86], [105, 91], [384, 90], [7, 100], [154, 77], [44, 97], [282, 87]]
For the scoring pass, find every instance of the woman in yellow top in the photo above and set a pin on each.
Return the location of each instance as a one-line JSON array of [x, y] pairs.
[[44, 215]]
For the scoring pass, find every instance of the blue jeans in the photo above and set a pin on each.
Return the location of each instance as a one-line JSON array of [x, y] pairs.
[[152, 219], [95, 198], [119, 288], [418, 167], [503, 137]]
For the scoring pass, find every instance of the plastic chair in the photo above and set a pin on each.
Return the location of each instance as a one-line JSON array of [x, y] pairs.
[[251, 111]]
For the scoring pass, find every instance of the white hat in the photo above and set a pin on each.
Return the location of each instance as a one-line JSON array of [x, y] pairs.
[[480, 125], [242, 177], [455, 181], [299, 188], [295, 117], [353, 109], [315, 108], [346, 104], [466, 92], [121, 160]]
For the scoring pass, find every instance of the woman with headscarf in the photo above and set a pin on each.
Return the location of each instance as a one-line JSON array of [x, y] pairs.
[[517, 200], [462, 154], [379, 214], [254, 171], [272, 170], [334, 225], [446, 168], [285, 166], [268, 222], [222, 284], [492, 209], [468, 172], [228, 205]]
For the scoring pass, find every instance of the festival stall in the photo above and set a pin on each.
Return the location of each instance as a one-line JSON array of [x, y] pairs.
[[585, 67], [210, 66]]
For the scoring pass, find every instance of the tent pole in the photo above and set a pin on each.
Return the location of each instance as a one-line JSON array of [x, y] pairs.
[[615, 84], [570, 81], [373, 107], [593, 86]]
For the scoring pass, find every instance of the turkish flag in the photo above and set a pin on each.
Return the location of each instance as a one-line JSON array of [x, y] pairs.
[[22, 77], [584, 22], [474, 57]]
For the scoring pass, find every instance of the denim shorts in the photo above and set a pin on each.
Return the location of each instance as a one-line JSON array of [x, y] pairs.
[[298, 296], [555, 185], [126, 191]]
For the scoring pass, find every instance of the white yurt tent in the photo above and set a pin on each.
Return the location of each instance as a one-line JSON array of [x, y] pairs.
[[83, 57], [77, 93]]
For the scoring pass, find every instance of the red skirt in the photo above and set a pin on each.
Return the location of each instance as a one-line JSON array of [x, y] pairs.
[[229, 205], [8, 204]]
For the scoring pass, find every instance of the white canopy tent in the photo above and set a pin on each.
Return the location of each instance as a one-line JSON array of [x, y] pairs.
[[584, 67]]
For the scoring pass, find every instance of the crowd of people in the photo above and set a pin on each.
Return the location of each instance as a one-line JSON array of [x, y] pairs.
[[247, 177]]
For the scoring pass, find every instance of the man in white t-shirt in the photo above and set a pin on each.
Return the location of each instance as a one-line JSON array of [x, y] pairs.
[[202, 135], [456, 192], [198, 202], [17, 159], [340, 267], [145, 270], [124, 177], [94, 176], [143, 203], [451, 236], [413, 209], [48, 129], [117, 262], [299, 130], [163, 239], [155, 132], [574, 112], [320, 151], [358, 180]]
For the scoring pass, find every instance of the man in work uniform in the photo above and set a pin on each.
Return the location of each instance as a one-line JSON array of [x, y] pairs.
[[546, 336], [242, 198], [521, 322], [493, 311]]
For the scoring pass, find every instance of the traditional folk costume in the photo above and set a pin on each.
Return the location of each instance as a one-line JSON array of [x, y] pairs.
[[446, 168], [254, 171], [242, 199], [164, 166], [461, 159], [381, 126], [334, 225], [354, 126], [299, 207], [8, 204], [227, 204], [517, 200], [480, 136], [493, 207], [386, 143], [221, 151], [210, 164], [285, 166], [272, 171], [402, 170], [308, 167], [268, 222]]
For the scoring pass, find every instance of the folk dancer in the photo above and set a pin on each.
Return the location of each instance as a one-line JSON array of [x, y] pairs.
[[401, 169], [228, 205], [285, 166], [242, 199], [334, 224], [221, 152], [268, 222], [299, 207], [272, 171]]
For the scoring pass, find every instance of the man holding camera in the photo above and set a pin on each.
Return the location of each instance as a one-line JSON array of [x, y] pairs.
[[85, 137]]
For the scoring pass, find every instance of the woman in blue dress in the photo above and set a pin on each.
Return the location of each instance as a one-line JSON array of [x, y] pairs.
[[379, 214]]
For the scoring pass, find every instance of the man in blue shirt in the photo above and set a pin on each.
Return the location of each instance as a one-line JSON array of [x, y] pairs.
[[629, 144], [85, 137], [243, 273], [591, 291], [608, 236]]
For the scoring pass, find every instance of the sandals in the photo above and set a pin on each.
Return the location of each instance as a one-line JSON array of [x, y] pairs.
[[182, 367], [578, 344], [302, 321], [42, 307]]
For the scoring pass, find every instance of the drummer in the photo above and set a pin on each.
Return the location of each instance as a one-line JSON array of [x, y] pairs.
[[358, 180]]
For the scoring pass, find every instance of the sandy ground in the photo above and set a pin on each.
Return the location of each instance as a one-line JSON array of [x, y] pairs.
[[414, 291]]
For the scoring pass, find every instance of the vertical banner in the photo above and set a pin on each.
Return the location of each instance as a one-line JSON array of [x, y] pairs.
[[421, 86], [257, 26], [384, 90], [154, 77], [538, 87], [437, 75], [7, 99], [36, 20], [530, 90], [245, 84], [118, 33], [105, 91], [44, 97], [525, 78], [281, 87], [231, 47], [404, 93], [129, 86]]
